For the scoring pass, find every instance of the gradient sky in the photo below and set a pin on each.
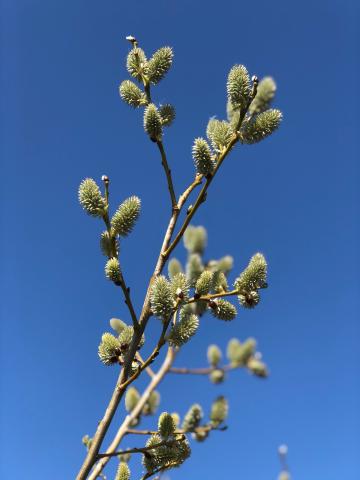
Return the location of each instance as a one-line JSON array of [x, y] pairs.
[[294, 197]]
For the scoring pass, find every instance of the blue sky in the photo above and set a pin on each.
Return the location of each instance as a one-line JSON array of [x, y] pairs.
[[294, 197]]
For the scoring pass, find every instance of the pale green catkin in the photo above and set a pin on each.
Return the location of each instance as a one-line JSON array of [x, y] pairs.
[[109, 349], [219, 411], [153, 122], [123, 472], [159, 64], [90, 198], [214, 355], [238, 86], [131, 94], [161, 298], [124, 219], [263, 125]]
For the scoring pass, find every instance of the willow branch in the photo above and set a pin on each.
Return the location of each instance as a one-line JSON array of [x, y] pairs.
[[121, 384], [202, 195], [134, 413], [164, 443], [204, 428], [201, 371], [211, 296]]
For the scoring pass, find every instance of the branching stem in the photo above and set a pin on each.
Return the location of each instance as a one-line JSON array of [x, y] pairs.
[[166, 443]]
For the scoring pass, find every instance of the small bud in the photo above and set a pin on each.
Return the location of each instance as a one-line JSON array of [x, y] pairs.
[[125, 337], [105, 178], [130, 38], [87, 441], [117, 325], [124, 457], [195, 239], [219, 411], [167, 114], [220, 283], [213, 355], [217, 376], [152, 403], [174, 267], [257, 367], [180, 287], [247, 350], [194, 268], [132, 397], [112, 270], [224, 310], [264, 95], [283, 450], [166, 425], [109, 246], [200, 435], [225, 264], [125, 217], [91, 199], [249, 299], [109, 349], [176, 418], [284, 475], [212, 304], [192, 418]]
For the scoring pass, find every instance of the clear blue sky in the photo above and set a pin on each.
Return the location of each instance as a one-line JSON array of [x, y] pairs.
[[294, 197]]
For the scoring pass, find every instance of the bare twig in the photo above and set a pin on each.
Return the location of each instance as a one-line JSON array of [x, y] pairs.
[[167, 173], [201, 371], [165, 443]]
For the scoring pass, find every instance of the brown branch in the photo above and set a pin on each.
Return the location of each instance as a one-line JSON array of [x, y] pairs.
[[211, 296], [201, 371], [128, 302], [202, 195], [134, 413], [166, 249], [164, 443], [167, 173]]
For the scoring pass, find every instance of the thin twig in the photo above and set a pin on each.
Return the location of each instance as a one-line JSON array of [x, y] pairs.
[[211, 296], [201, 371], [167, 173], [149, 371], [128, 302], [164, 443], [202, 195]]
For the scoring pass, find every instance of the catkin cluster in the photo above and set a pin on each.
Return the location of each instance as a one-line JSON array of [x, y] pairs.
[[180, 298]]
